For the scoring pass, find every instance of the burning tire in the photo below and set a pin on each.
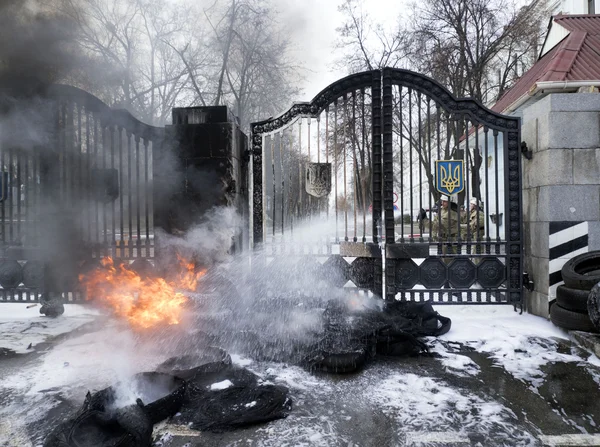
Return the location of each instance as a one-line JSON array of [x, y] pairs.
[[11, 274], [568, 319], [162, 395], [582, 272], [211, 359], [143, 267], [230, 399], [129, 426], [572, 299]]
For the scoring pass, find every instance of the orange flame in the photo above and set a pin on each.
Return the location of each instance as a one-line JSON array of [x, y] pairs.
[[143, 302], [188, 278]]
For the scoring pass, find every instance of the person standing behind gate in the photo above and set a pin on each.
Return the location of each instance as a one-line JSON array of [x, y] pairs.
[[444, 227], [475, 228]]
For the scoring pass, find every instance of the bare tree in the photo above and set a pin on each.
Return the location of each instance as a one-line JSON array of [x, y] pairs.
[[471, 46], [475, 46]]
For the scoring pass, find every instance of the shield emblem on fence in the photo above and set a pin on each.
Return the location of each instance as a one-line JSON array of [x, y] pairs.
[[449, 176], [318, 179]]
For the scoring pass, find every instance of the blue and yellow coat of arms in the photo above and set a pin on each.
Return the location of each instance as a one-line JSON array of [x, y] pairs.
[[449, 176]]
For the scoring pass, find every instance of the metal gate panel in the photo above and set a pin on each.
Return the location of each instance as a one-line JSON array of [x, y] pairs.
[[423, 122], [82, 193], [410, 124], [339, 131]]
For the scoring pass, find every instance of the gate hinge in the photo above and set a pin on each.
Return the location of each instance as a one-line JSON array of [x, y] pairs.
[[528, 282], [526, 151]]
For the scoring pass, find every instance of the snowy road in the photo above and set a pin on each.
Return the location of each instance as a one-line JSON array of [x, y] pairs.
[[498, 378]]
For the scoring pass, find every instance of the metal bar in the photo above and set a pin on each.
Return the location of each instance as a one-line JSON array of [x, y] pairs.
[[439, 153], [80, 187], [355, 165], [147, 195], [5, 186], [11, 234], [497, 192], [364, 150], [410, 162], [467, 187], [274, 202], [300, 173], [121, 227], [113, 241], [137, 197], [257, 190], [487, 190], [282, 170], [420, 165], [429, 161], [129, 194], [319, 139], [388, 181], [34, 195], [477, 193], [345, 180], [27, 183], [401, 146], [19, 216], [327, 150], [104, 206], [377, 177], [335, 164], [88, 161]]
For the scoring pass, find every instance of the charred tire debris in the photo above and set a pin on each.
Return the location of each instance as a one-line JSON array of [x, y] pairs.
[[203, 390], [577, 306]]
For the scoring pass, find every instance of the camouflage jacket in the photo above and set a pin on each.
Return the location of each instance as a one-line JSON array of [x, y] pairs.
[[447, 229]]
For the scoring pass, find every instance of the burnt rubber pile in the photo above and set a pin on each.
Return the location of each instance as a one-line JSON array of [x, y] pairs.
[[214, 396], [337, 336], [200, 387]]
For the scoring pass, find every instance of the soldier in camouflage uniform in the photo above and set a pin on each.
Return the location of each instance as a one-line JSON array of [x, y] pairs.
[[475, 228], [444, 228]]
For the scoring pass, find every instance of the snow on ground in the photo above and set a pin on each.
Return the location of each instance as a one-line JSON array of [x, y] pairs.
[[521, 344], [21, 327]]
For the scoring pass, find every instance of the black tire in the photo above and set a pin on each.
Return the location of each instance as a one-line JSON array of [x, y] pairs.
[[33, 274], [593, 305], [567, 319], [11, 274], [582, 272], [572, 299]]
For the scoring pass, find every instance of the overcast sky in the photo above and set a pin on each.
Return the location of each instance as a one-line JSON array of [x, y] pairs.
[[313, 26]]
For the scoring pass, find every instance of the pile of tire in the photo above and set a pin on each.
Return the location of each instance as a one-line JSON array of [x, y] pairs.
[[570, 311]]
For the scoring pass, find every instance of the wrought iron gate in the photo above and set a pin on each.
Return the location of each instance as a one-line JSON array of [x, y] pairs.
[[344, 188], [83, 191]]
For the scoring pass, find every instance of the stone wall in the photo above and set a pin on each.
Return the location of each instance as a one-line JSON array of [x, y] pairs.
[[560, 184]]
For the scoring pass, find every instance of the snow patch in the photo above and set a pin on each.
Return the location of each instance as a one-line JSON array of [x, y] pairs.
[[521, 344], [22, 327], [221, 385]]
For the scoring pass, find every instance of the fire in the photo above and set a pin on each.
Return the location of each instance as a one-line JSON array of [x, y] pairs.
[[188, 278], [144, 302]]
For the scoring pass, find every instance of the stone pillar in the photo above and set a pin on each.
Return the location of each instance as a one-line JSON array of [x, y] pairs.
[[561, 188], [201, 164]]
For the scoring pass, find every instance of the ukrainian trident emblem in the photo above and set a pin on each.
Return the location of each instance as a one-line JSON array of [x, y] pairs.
[[449, 176], [318, 179]]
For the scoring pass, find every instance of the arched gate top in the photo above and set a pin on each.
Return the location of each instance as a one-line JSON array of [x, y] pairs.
[[107, 115], [390, 76], [440, 94], [325, 97]]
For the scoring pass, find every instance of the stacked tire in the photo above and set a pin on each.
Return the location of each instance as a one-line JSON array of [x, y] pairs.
[[573, 299]]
